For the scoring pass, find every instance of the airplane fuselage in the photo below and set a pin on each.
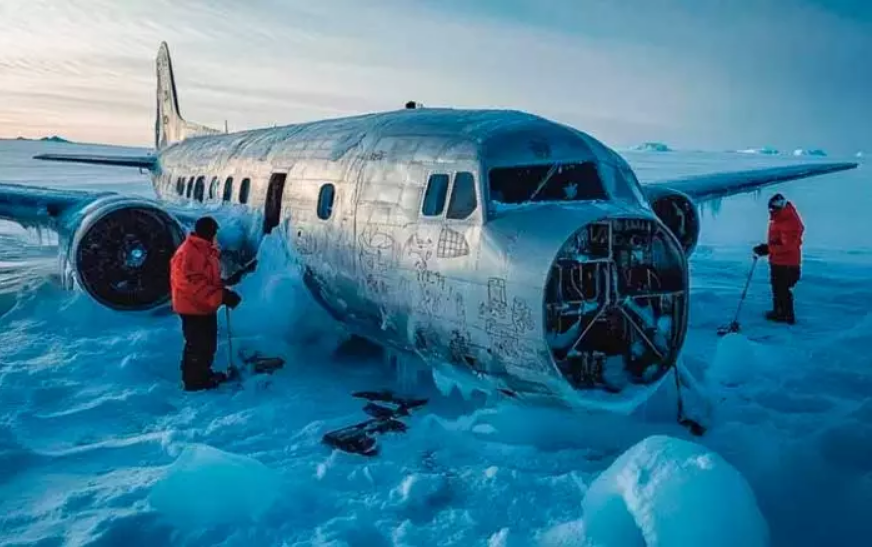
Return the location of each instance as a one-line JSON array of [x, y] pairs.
[[402, 238]]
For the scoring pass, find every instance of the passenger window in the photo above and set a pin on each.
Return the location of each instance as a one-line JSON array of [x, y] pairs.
[[243, 190], [434, 198], [213, 188], [199, 188], [228, 189], [325, 201], [190, 187], [180, 185], [463, 201]]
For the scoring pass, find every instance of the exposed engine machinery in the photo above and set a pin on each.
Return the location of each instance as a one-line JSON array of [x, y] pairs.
[[616, 304], [678, 212], [118, 249]]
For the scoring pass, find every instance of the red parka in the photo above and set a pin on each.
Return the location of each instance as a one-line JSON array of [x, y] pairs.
[[785, 237], [195, 278]]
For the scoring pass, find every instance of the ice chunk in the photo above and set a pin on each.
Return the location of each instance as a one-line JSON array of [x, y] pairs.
[[651, 147], [206, 487], [765, 151], [811, 152], [669, 492], [735, 360], [564, 535]]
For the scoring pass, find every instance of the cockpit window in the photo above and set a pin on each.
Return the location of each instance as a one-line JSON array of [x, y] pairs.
[[550, 182], [463, 201], [434, 197]]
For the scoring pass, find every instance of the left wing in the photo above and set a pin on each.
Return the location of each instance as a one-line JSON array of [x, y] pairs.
[[719, 185], [37, 206], [32, 206]]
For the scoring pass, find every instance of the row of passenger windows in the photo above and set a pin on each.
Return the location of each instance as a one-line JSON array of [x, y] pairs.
[[197, 188], [462, 203]]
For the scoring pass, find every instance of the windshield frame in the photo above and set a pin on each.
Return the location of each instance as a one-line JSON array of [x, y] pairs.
[[602, 191]]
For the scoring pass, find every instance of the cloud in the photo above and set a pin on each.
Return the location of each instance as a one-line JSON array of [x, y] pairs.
[[707, 74]]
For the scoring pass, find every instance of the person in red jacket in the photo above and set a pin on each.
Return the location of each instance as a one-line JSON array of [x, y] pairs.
[[197, 292], [784, 248]]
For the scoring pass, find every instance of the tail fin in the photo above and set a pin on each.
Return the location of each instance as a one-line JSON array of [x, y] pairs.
[[170, 127]]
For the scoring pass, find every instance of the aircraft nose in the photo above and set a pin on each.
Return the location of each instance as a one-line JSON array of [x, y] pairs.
[[616, 304]]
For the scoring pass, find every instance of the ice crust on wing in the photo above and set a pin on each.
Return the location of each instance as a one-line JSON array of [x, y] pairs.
[[668, 492], [206, 486]]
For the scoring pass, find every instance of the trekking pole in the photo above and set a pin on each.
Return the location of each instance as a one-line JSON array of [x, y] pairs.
[[230, 366], [734, 326]]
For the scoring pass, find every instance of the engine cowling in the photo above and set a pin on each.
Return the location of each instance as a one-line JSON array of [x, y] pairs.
[[678, 212], [119, 252]]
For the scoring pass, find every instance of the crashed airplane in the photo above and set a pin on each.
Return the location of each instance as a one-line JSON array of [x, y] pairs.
[[517, 253]]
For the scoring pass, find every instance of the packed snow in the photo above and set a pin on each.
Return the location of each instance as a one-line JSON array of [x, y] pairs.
[[100, 446], [194, 491], [665, 491]]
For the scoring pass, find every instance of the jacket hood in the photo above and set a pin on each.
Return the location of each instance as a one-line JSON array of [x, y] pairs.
[[788, 211], [200, 243]]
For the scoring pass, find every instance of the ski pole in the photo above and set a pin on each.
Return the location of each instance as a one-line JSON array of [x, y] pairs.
[[745, 292], [230, 365]]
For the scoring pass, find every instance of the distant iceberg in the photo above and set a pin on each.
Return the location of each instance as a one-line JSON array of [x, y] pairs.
[[766, 151], [810, 152], [651, 147]]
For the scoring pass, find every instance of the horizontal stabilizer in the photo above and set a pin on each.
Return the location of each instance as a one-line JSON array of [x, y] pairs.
[[719, 185], [143, 162]]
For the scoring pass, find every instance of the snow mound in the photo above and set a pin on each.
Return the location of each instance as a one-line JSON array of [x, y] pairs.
[[735, 360], [208, 487], [765, 151], [810, 152], [651, 147], [668, 492]]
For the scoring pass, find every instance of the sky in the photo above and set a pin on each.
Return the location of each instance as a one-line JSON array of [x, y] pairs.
[[697, 74]]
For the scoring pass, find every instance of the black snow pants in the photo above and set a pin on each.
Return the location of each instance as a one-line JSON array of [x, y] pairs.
[[783, 279], [201, 342]]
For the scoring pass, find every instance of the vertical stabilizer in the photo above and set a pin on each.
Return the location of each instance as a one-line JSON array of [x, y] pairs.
[[169, 126]]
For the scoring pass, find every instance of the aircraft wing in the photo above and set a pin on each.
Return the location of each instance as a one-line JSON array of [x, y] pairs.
[[718, 185], [37, 206], [32, 206], [143, 162]]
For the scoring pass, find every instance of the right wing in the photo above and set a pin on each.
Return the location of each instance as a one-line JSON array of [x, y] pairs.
[[720, 185]]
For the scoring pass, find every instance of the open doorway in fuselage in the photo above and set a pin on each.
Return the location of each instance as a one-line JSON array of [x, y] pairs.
[[272, 209]]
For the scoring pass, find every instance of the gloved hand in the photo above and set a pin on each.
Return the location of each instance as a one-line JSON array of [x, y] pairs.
[[761, 250], [231, 299]]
